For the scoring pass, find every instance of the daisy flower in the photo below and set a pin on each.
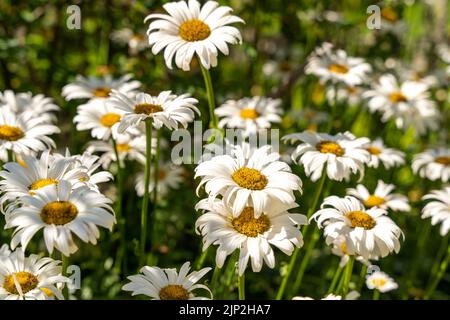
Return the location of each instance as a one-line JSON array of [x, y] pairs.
[[341, 154], [249, 114], [368, 232], [353, 295], [165, 109], [99, 88], [248, 177], [30, 278], [350, 95], [387, 156], [135, 41], [433, 164], [336, 66], [391, 22], [250, 234], [381, 282], [25, 133], [61, 211], [382, 197], [189, 29], [167, 284], [98, 117], [339, 248], [169, 177], [438, 209], [407, 103]]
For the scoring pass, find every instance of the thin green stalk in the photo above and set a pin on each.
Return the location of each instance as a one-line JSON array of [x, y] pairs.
[[241, 286], [201, 259], [347, 276], [10, 155], [145, 200], [65, 264], [210, 93], [285, 279], [376, 294], [333, 110], [437, 278], [215, 278], [362, 278], [155, 182], [439, 256], [337, 273]]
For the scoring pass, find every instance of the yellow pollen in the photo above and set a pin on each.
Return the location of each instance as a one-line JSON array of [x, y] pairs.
[[162, 174], [344, 248], [373, 150], [173, 292], [83, 179], [351, 90], [138, 37], [445, 160], [338, 68], [10, 133], [123, 147], [42, 183], [361, 219], [389, 14], [248, 225], [22, 163], [47, 292], [101, 92], [194, 30], [373, 201], [249, 114], [397, 97], [26, 280], [58, 212], [378, 283], [250, 178], [147, 108], [109, 119], [330, 147]]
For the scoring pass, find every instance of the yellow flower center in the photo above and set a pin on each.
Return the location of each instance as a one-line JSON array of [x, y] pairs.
[[344, 248], [173, 292], [147, 108], [250, 178], [373, 201], [47, 292], [137, 37], [123, 147], [58, 212], [101, 92], [338, 68], [388, 14], [26, 280], [42, 183], [162, 174], [248, 225], [330, 147], [249, 114], [397, 97], [361, 219], [109, 119], [194, 30], [378, 283], [374, 150], [351, 90], [445, 160], [10, 133]]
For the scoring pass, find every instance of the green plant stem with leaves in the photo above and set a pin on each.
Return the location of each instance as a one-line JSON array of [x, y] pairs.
[[211, 100]]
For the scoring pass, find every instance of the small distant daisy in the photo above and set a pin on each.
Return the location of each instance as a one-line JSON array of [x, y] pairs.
[[248, 177], [61, 211], [250, 234], [167, 284], [381, 282], [99, 88], [341, 154], [350, 95], [353, 295], [433, 164], [387, 156], [438, 209], [169, 178], [165, 109], [135, 41], [391, 22], [336, 66], [381, 197], [339, 248], [25, 133], [368, 232], [30, 278], [249, 114], [189, 29], [308, 118]]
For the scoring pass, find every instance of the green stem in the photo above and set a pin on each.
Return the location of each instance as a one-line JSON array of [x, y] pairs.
[[347, 276], [285, 279], [337, 273], [210, 93], [333, 110], [155, 182], [376, 294], [437, 278], [215, 278], [10, 155], [145, 200], [241, 286], [65, 264], [201, 259], [362, 278]]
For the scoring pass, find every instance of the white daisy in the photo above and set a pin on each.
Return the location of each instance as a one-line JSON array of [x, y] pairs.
[[30, 278], [61, 211], [348, 94], [391, 22], [336, 66], [438, 209], [381, 197], [248, 177], [433, 164], [251, 235], [407, 103], [353, 295], [368, 232], [167, 284], [339, 248], [249, 114], [189, 29], [99, 88], [165, 109], [169, 178], [381, 282], [135, 41], [341, 154], [380, 153], [25, 133]]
